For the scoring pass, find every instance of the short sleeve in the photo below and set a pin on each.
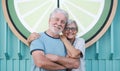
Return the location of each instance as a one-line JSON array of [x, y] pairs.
[[36, 45], [80, 44]]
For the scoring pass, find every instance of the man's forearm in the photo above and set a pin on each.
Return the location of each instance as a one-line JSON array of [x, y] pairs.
[[42, 61], [68, 62], [52, 66]]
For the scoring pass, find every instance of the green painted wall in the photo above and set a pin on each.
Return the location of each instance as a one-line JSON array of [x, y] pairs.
[[104, 55]]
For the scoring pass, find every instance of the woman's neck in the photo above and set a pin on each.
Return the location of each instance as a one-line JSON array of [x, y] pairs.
[[71, 40]]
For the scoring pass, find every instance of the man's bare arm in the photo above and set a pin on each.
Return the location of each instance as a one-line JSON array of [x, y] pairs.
[[69, 63], [43, 62]]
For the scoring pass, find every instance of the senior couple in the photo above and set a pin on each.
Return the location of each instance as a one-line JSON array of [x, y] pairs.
[[54, 52]]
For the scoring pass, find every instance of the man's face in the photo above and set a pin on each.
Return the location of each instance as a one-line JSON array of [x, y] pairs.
[[57, 23]]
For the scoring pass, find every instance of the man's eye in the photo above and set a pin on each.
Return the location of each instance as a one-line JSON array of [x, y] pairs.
[[63, 22], [56, 19]]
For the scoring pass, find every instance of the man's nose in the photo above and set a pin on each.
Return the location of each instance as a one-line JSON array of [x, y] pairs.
[[59, 23]]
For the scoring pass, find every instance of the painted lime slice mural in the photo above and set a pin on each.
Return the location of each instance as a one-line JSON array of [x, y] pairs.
[[32, 15]]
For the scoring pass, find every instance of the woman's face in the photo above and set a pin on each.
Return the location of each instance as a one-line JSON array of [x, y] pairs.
[[70, 31]]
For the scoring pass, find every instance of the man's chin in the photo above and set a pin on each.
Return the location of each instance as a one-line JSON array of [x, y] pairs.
[[57, 32]]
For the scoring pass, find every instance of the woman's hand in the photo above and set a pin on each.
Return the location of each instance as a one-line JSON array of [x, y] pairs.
[[32, 37], [63, 38]]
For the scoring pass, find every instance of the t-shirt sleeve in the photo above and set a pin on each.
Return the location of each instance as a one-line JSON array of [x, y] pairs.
[[36, 45], [80, 44]]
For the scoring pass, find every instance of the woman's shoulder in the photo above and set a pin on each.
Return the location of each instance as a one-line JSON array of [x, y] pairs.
[[80, 39]]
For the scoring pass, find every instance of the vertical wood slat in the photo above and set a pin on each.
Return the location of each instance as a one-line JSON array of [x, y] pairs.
[[91, 52], [116, 33], [6, 42], [19, 53], [102, 65], [3, 65], [109, 65], [28, 62], [0, 64], [104, 46], [3, 29], [88, 65], [116, 65], [22, 65], [97, 50], [9, 65], [16, 65], [0, 34], [95, 66], [112, 43]]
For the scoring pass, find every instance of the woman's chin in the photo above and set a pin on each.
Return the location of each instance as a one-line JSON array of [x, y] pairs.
[[70, 37]]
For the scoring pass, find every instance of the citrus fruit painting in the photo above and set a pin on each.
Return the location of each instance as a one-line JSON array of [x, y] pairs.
[[92, 16]]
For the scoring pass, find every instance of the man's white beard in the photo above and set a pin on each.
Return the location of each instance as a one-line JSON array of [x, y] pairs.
[[54, 31]]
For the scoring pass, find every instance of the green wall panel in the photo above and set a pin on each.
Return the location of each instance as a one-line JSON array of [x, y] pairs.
[[104, 55]]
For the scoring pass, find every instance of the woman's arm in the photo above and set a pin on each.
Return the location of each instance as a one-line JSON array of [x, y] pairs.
[[72, 51], [32, 37]]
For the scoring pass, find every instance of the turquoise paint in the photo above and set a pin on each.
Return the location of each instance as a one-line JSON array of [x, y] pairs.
[[104, 55]]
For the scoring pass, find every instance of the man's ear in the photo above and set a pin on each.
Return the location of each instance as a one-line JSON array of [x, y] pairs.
[[49, 20]]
